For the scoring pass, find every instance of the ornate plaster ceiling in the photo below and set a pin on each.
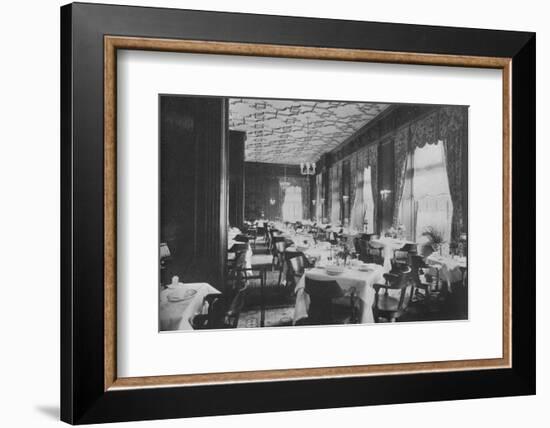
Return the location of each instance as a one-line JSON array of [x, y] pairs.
[[288, 131]]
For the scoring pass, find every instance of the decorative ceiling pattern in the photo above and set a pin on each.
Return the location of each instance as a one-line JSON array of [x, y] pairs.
[[290, 131]]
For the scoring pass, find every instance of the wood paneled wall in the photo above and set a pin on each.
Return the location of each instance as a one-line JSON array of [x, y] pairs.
[[193, 186], [262, 186], [236, 177]]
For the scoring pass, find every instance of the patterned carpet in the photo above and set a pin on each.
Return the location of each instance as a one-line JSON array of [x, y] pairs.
[[274, 317]]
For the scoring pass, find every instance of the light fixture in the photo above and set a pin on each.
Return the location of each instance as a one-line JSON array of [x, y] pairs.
[[272, 201], [345, 198], [313, 201], [307, 168]]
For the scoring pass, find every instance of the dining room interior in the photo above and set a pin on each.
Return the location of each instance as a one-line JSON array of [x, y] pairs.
[[293, 213]]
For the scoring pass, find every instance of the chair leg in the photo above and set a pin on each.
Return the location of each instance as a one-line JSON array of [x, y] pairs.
[[280, 274], [262, 304]]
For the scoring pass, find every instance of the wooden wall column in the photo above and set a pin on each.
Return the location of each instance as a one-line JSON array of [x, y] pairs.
[[236, 177], [193, 186]]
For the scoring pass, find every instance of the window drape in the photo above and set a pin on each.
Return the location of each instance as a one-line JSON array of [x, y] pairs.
[[358, 206], [368, 199], [336, 174], [407, 207], [426, 200], [430, 189], [364, 187], [452, 130], [445, 132], [401, 149], [318, 197]]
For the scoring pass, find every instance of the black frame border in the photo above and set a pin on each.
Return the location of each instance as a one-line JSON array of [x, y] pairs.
[[83, 399]]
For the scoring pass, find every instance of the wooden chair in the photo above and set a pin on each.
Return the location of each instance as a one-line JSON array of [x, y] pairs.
[[252, 234], [401, 256], [241, 281], [362, 249], [296, 263], [241, 238], [217, 316], [417, 265], [329, 304], [278, 252], [374, 255], [260, 233], [269, 238], [389, 306]]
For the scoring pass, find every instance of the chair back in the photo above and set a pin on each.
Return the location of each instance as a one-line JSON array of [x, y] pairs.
[[402, 254], [321, 294], [374, 254], [215, 315], [363, 250], [279, 245], [297, 263], [357, 245], [416, 263], [402, 281], [241, 238]]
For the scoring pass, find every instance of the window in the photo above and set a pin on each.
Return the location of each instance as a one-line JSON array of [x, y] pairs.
[[426, 200], [292, 204]]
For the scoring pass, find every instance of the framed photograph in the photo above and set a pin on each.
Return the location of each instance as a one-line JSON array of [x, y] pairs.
[[278, 213]]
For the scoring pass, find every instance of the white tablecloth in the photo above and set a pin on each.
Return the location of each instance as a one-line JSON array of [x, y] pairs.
[[178, 315], [449, 268], [248, 256], [361, 281], [389, 245]]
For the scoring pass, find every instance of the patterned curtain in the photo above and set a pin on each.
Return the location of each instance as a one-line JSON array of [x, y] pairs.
[[452, 130], [318, 203], [401, 150], [424, 131], [372, 161], [358, 207], [335, 178], [418, 134]]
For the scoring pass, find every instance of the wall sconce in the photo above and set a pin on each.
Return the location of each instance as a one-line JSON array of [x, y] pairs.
[[272, 201], [384, 194], [313, 201], [345, 198], [164, 252]]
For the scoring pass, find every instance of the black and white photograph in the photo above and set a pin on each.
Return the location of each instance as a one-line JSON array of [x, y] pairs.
[[328, 212]]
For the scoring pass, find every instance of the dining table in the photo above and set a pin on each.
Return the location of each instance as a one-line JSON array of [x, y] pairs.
[[351, 277], [449, 268], [179, 303], [389, 245]]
